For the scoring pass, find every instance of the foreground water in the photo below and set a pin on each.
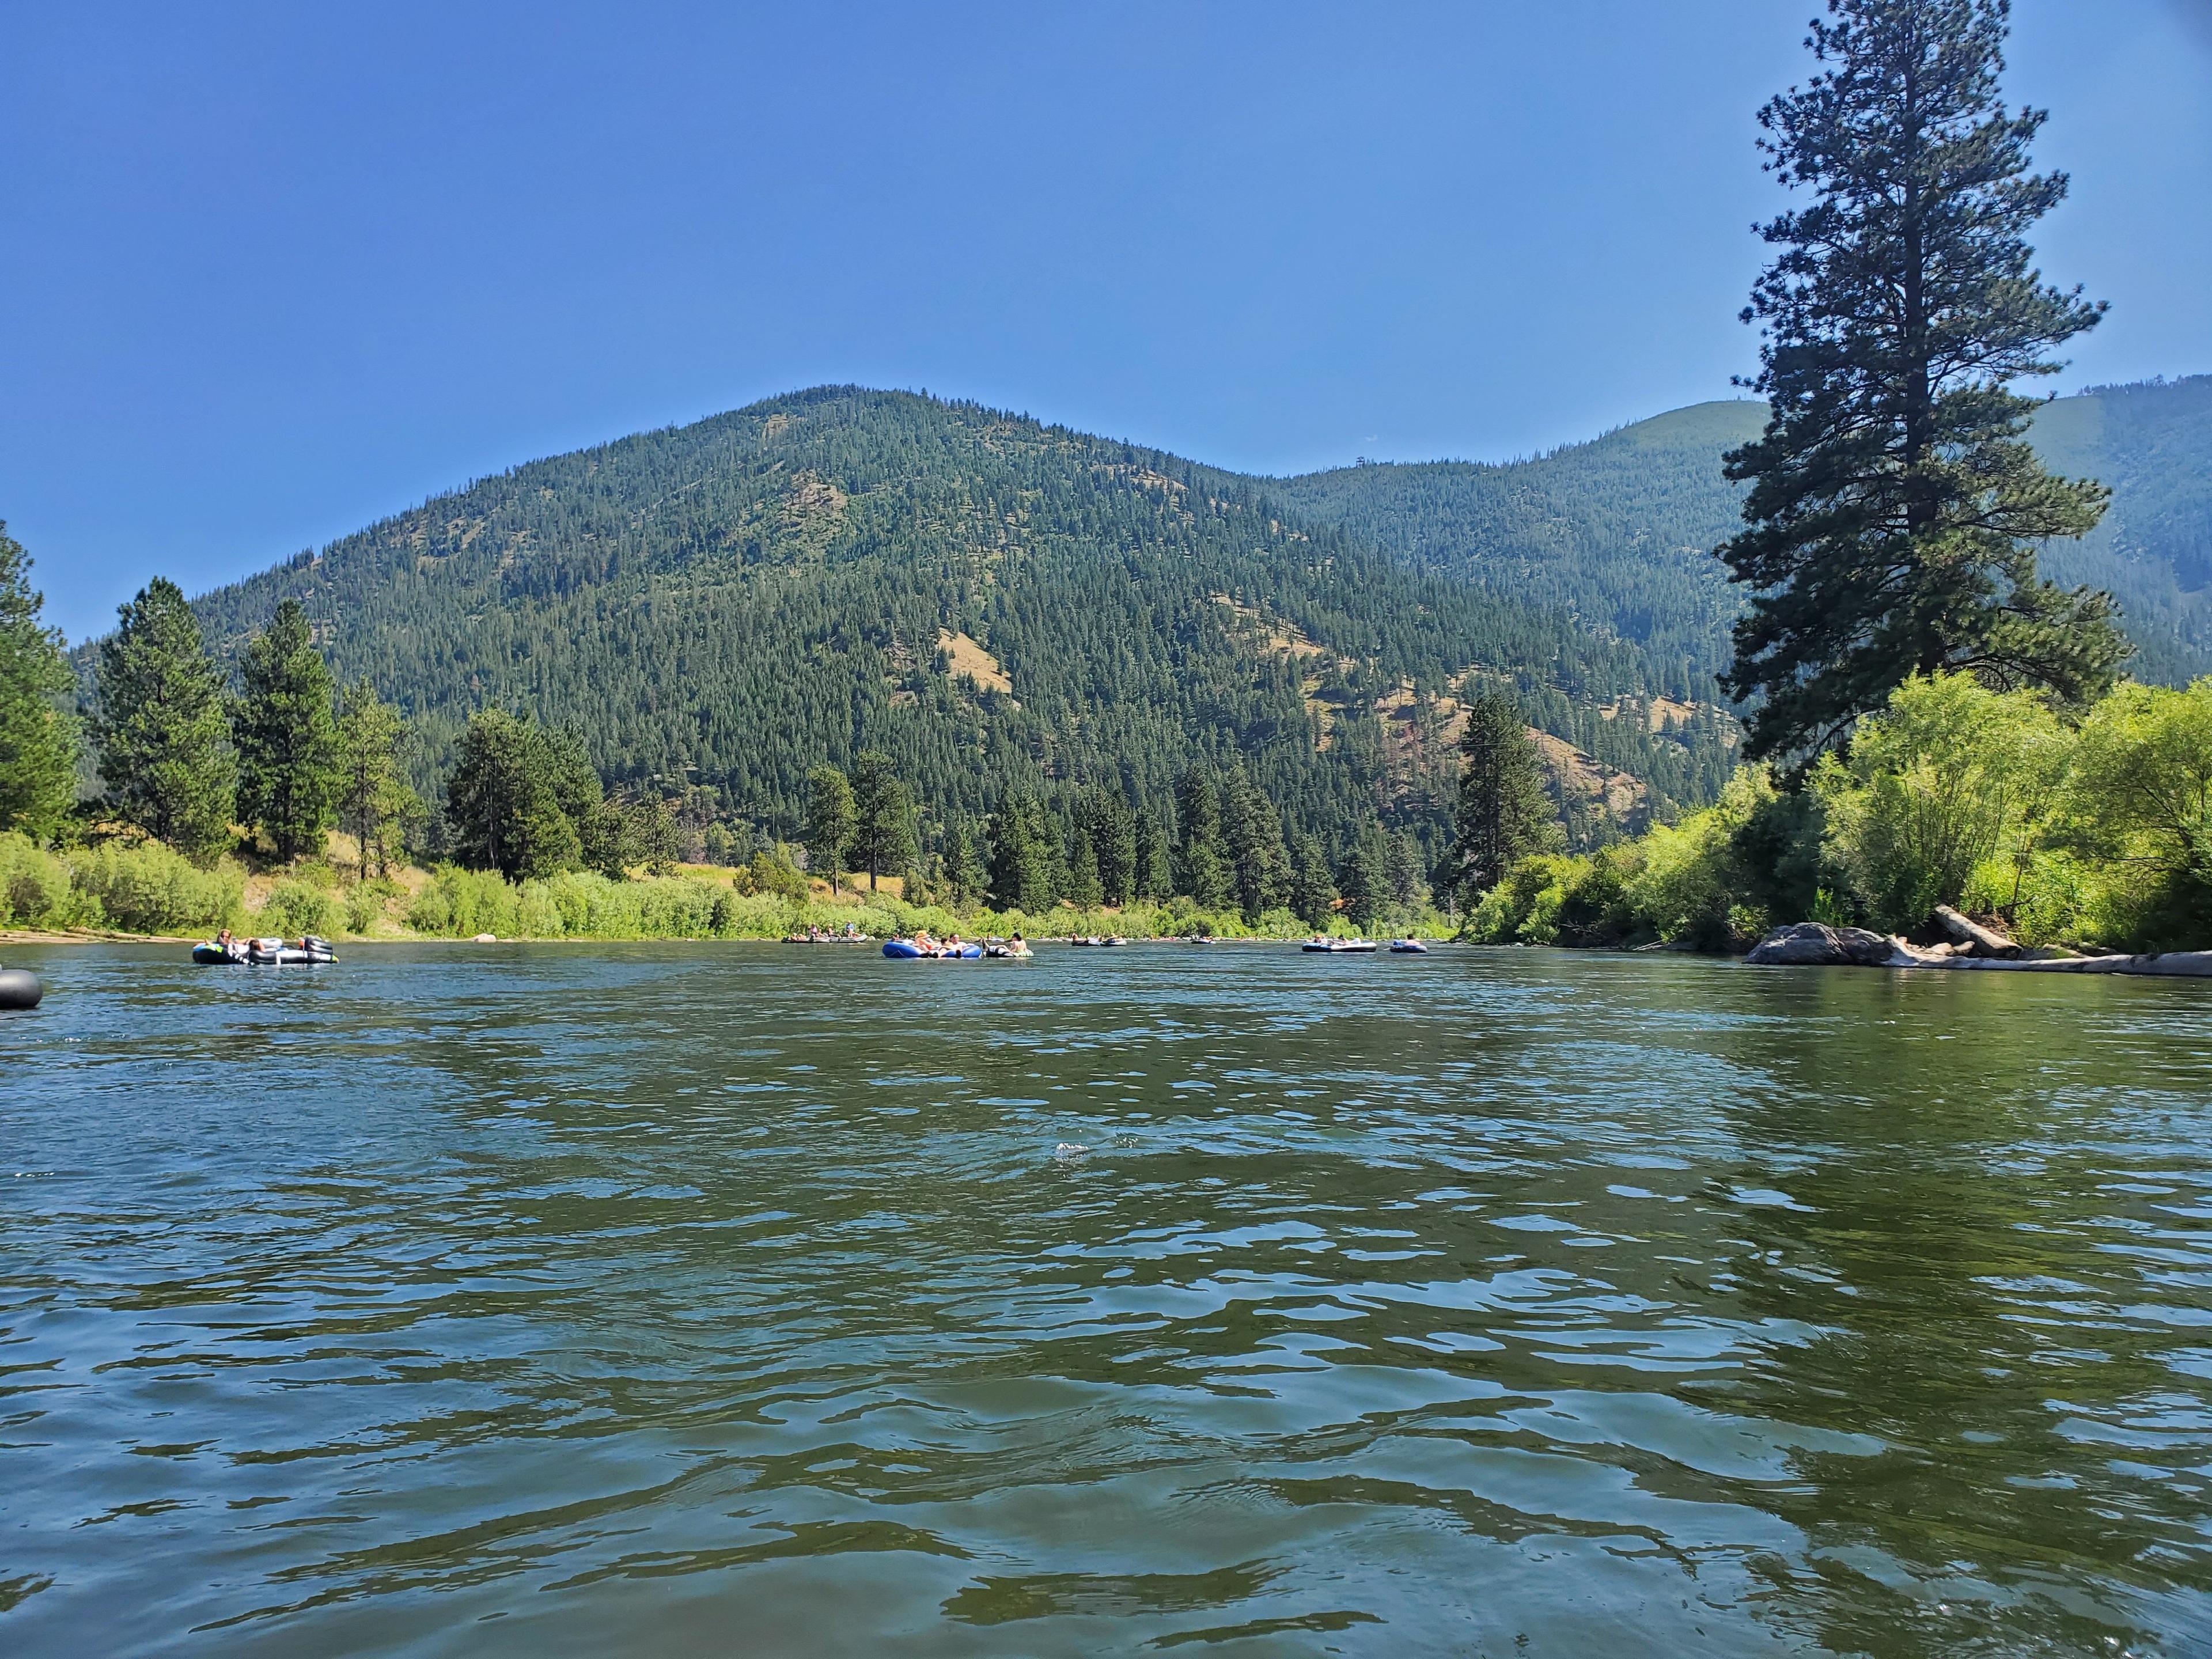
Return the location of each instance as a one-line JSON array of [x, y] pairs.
[[717, 1299]]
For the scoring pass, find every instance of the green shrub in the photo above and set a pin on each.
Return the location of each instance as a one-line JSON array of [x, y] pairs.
[[147, 888], [36, 889], [775, 875], [364, 905], [1949, 774], [1595, 907], [294, 907], [1684, 891], [460, 903]]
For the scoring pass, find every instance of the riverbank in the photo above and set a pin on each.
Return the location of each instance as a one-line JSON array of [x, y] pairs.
[[146, 892]]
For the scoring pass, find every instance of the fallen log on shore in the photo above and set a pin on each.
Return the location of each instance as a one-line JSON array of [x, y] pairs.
[[1813, 945], [1969, 932], [2170, 964]]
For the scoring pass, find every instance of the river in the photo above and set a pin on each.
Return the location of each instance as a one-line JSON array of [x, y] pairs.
[[675, 1300]]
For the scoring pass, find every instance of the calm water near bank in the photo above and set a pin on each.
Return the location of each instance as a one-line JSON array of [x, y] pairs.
[[753, 1299]]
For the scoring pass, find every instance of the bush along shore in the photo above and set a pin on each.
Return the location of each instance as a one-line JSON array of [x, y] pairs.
[[2044, 837], [147, 889]]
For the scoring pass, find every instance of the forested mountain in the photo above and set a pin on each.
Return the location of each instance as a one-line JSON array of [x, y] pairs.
[[1002, 605], [2152, 442], [1620, 530], [998, 605]]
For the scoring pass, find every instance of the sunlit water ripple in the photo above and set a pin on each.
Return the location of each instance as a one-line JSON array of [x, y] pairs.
[[682, 1300]]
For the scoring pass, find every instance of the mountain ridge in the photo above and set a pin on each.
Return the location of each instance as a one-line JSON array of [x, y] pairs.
[[733, 600], [737, 600], [1618, 531]]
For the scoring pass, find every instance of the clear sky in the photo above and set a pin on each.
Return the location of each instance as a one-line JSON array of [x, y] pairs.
[[269, 273]]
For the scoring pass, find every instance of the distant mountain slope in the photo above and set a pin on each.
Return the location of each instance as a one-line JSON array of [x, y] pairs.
[[1618, 531], [997, 602], [2152, 443]]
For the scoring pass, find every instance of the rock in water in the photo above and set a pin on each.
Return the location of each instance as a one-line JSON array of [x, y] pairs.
[[1814, 944]]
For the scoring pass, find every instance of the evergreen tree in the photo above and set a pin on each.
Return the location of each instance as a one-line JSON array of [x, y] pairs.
[[285, 727], [1082, 887], [1503, 813], [654, 838], [1252, 835], [503, 800], [1202, 862], [883, 818], [1364, 879], [1402, 863], [1155, 876], [830, 821], [1313, 894], [38, 738], [374, 799], [605, 839], [1111, 828], [1022, 857], [1894, 494], [965, 878], [160, 728]]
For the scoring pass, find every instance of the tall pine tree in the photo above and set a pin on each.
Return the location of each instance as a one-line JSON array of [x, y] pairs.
[[1202, 867], [1111, 828], [503, 800], [1503, 813], [829, 823], [159, 727], [1252, 832], [38, 737], [1022, 857], [285, 726], [1894, 494], [965, 876], [374, 799], [883, 818], [1313, 894], [1363, 878], [1155, 871]]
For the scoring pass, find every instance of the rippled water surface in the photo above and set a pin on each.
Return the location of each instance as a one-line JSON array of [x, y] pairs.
[[751, 1299]]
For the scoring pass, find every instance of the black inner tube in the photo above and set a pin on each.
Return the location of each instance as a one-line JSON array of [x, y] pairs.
[[19, 989]]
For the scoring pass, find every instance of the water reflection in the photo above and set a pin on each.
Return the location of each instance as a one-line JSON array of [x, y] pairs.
[[662, 1300]]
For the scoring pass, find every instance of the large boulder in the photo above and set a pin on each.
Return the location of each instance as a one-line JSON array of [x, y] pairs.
[[1814, 944]]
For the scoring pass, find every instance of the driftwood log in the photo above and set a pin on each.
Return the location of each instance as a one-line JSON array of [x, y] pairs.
[[1971, 933], [2172, 964], [1809, 943]]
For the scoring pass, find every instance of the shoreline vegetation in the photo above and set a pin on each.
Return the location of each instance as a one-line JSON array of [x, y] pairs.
[[2090, 836], [145, 892]]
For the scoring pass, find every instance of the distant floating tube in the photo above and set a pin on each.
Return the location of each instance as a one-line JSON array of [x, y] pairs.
[[19, 989]]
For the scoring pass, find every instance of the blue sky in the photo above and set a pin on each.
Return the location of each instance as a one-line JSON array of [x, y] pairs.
[[271, 273]]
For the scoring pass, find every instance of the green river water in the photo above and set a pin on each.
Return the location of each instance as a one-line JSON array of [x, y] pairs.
[[748, 1299]]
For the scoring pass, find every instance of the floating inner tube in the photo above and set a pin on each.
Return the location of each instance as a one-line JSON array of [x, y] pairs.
[[19, 989]]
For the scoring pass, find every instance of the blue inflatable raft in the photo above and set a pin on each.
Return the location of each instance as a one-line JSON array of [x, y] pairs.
[[906, 950]]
